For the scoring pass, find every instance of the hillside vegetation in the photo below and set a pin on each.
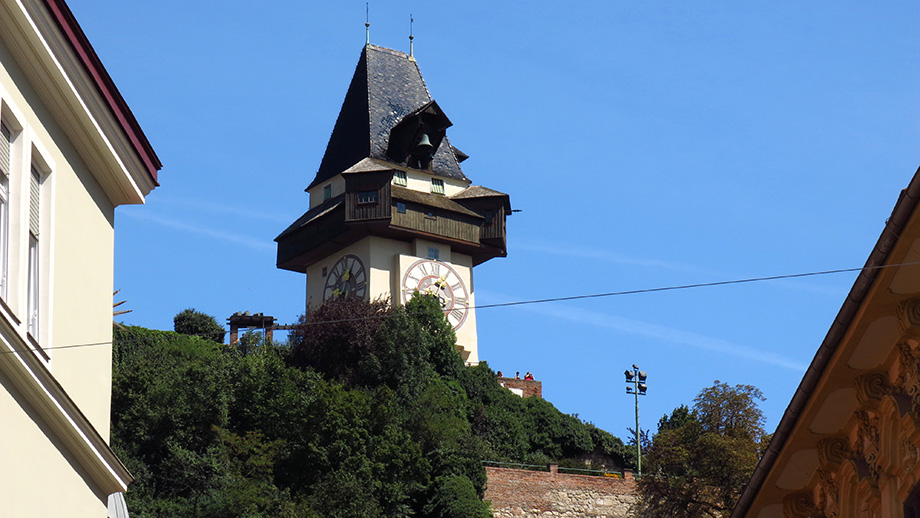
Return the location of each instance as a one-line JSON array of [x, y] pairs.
[[368, 411]]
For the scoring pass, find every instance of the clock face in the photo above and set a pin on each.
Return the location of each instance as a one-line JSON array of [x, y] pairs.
[[438, 279], [346, 279]]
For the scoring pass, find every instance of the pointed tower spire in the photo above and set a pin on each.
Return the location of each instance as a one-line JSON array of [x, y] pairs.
[[385, 88]]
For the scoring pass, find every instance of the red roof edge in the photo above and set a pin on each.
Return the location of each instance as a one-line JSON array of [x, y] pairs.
[[104, 84]]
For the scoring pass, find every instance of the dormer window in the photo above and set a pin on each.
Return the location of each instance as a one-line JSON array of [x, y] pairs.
[[327, 192], [415, 139], [437, 186], [399, 178]]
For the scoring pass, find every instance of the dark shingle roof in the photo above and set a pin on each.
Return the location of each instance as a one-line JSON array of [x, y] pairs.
[[386, 87]]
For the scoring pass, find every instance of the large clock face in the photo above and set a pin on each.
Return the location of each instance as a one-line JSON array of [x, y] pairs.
[[438, 279], [346, 279]]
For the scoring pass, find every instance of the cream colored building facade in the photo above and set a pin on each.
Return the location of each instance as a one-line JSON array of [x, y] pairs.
[[387, 261], [848, 445], [70, 152]]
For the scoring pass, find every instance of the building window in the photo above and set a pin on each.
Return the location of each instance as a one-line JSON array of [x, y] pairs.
[[401, 207], [399, 178], [433, 252], [327, 192], [6, 146], [429, 214], [490, 218], [33, 302], [367, 197], [437, 186]]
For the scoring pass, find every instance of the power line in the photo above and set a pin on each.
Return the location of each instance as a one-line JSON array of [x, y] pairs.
[[650, 290], [554, 299]]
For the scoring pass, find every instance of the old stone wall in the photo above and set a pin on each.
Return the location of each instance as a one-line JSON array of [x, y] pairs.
[[523, 388], [524, 494]]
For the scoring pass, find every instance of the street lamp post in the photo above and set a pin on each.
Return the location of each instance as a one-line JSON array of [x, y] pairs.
[[636, 378]]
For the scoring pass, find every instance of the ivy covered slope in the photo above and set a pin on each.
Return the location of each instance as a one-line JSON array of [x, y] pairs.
[[368, 411]]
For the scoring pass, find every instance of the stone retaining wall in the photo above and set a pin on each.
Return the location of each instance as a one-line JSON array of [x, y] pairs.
[[524, 494]]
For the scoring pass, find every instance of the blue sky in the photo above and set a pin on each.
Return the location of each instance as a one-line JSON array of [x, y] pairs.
[[648, 144]]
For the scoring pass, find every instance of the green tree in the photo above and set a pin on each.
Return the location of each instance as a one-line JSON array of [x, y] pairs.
[[369, 412], [700, 459], [192, 322]]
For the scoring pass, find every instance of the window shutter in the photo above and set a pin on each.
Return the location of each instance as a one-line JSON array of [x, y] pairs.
[[34, 202], [5, 145]]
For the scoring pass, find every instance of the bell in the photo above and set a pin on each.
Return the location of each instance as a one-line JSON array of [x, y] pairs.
[[424, 145]]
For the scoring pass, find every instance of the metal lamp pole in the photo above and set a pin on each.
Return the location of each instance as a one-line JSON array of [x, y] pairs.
[[636, 378]]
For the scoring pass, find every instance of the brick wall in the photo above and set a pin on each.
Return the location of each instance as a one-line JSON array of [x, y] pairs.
[[526, 494], [523, 388]]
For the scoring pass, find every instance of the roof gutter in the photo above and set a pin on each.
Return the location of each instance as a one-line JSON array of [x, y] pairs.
[[903, 209]]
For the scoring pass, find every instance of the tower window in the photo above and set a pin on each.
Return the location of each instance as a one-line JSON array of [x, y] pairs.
[[401, 207], [433, 252], [367, 197], [437, 186], [327, 192], [399, 178], [490, 218]]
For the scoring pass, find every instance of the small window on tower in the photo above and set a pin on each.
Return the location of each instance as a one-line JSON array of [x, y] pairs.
[[433, 252], [327, 192], [401, 207], [490, 218], [399, 178], [437, 186], [367, 197]]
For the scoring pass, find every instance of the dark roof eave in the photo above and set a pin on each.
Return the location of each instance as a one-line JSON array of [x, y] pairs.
[[900, 215], [81, 46]]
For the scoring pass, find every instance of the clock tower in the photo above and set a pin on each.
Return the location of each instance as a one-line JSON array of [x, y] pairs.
[[391, 212]]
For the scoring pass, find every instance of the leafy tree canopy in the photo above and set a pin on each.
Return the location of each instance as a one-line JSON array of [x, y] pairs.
[[367, 412], [192, 322], [701, 458]]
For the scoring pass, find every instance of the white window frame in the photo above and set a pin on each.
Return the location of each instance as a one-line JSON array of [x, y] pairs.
[[400, 178], [35, 234], [33, 276], [437, 186], [6, 163]]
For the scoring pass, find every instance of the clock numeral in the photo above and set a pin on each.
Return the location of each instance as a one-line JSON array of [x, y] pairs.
[[435, 269], [460, 301], [456, 314]]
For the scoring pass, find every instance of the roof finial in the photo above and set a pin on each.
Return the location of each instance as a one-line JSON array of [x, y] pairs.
[[367, 23], [411, 37]]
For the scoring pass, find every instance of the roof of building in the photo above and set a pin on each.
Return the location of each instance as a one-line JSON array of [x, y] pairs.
[[431, 200], [313, 214], [81, 46], [386, 87], [879, 259], [477, 191]]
